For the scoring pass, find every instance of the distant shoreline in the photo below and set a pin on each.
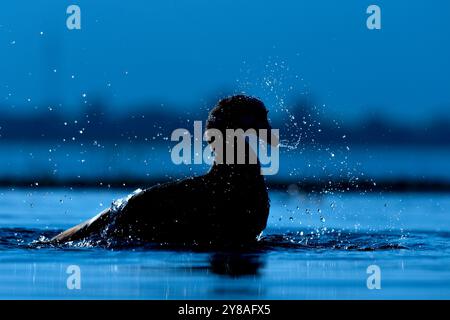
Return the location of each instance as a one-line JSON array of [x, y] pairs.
[[305, 186]]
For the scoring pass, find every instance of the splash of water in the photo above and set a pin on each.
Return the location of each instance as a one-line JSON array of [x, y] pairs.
[[302, 126]]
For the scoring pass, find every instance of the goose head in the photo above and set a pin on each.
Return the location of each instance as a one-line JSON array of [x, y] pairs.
[[247, 119], [240, 112]]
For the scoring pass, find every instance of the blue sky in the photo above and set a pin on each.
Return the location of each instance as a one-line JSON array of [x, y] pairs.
[[185, 53]]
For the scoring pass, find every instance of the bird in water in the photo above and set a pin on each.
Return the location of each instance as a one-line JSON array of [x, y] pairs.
[[227, 205]]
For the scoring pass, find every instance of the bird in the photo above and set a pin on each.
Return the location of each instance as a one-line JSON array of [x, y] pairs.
[[229, 204]]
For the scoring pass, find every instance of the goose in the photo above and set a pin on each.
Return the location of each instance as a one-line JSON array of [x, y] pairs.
[[227, 205]]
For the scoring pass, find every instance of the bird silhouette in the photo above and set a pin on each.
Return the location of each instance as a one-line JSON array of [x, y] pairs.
[[227, 205]]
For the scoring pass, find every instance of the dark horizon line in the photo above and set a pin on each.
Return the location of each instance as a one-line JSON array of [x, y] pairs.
[[319, 186]]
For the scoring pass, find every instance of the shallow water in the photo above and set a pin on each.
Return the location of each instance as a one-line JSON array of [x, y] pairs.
[[315, 247]]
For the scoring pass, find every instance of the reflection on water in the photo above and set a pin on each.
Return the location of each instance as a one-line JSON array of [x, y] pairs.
[[314, 247], [128, 162], [236, 264], [288, 265]]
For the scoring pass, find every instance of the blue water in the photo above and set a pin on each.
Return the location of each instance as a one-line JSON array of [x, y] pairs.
[[94, 161], [315, 247]]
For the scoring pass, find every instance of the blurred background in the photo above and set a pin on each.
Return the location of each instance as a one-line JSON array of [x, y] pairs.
[[356, 108], [364, 118]]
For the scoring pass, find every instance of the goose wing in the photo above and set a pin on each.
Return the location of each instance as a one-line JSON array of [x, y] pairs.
[[84, 229]]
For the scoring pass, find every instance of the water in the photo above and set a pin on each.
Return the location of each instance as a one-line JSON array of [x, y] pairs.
[[97, 162], [315, 247]]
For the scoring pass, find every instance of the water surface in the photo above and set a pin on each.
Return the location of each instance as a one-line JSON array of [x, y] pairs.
[[315, 247]]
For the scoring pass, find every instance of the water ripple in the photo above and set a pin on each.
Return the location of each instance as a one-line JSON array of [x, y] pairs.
[[23, 238]]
